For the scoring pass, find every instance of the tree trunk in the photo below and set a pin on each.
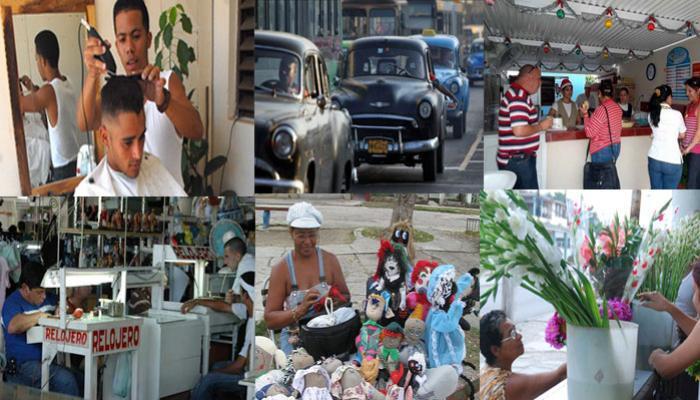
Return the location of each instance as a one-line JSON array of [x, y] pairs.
[[403, 209], [636, 204]]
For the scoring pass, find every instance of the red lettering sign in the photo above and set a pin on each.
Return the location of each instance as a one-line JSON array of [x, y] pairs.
[[193, 253], [113, 339], [65, 336]]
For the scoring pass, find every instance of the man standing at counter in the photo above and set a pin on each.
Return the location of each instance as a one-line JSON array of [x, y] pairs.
[[22, 311], [518, 129]]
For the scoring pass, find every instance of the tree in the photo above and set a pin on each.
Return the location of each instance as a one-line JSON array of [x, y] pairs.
[[403, 210], [636, 205]]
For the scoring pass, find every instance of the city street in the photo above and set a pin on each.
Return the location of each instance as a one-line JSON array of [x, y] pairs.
[[464, 161]]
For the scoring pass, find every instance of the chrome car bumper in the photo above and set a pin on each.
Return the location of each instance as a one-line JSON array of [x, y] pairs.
[[400, 147], [267, 177]]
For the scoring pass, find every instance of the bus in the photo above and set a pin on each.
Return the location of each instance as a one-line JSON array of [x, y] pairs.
[[444, 16], [371, 18], [317, 20]]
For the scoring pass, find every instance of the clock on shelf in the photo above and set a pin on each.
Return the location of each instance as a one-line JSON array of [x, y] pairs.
[[651, 71]]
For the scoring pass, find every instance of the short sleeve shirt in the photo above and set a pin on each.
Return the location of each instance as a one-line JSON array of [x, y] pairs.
[[516, 109], [16, 344]]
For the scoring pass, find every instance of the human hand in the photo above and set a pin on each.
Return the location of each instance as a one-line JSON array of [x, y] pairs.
[[654, 300], [153, 85], [27, 82], [229, 296], [546, 123], [653, 357], [93, 48], [189, 305], [310, 298]]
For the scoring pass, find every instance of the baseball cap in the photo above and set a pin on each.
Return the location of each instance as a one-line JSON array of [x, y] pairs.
[[304, 215]]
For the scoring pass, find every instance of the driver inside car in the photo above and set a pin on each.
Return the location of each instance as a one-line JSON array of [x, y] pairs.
[[288, 76]]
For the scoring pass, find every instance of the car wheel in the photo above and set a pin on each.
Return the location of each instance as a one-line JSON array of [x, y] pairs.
[[430, 165], [458, 128]]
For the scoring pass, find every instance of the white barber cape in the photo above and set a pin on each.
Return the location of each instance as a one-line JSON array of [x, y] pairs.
[[153, 180]]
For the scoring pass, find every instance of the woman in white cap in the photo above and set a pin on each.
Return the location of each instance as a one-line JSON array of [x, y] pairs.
[[302, 277], [565, 108]]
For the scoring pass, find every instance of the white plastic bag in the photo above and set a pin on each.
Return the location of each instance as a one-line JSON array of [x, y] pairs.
[[121, 384]]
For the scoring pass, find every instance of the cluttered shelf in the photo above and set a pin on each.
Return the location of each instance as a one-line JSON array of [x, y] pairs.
[[107, 232]]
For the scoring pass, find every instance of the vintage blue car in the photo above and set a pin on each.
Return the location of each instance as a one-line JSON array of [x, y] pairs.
[[475, 62], [444, 51]]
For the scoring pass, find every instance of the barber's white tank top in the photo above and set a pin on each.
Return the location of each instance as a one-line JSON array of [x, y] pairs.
[[162, 139], [63, 136]]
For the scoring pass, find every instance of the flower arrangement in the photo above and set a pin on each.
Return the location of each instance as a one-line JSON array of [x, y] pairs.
[[677, 250], [515, 245], [555, 331]]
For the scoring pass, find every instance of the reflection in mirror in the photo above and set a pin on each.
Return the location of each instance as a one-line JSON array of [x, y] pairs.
[[49, 65]]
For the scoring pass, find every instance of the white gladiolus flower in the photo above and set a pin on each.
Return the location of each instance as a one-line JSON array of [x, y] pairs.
[[500, 196], [500, 215], [502, 243], [519, 224]]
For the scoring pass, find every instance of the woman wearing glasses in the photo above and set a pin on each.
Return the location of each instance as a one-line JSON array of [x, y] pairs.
[[302, 277], [501, 344]]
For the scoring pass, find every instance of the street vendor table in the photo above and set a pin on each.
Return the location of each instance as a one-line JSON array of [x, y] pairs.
[[89, 337], [644, 382]]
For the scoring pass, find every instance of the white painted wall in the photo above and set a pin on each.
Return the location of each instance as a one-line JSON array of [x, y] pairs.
[[9, 183], [637, 69]]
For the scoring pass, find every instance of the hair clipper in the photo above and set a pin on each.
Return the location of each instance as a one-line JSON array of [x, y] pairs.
[[107, 56]]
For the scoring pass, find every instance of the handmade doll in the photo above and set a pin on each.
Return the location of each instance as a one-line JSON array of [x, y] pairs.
[[313, 383], [298, 360], [391, 275], [390, 338], [367, 342], [117, 220], [444, 337], [104, 220], [331, 364], [402, 232], [348, 384], [413, 331], [416, 367], [439, 383], [420, 277]]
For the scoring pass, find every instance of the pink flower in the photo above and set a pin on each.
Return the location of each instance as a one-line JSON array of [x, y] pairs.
[[661, 217], [585, 252], [604, 244], [555, 332], [617, 307]]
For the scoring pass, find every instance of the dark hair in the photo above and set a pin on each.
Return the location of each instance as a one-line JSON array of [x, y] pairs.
[[128, 5], [695, 269], [12, 230], [624, 89], [236, 245], [606, 88], [693, 82], [21, 226], [490, 333], [46, 45], [32, 274], [121, 94], [661, 93]]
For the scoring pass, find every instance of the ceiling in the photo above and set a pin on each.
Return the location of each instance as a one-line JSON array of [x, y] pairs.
[[531, 26]]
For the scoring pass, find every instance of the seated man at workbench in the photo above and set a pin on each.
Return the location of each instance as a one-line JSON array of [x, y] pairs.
[[126, 169], [224, 376], [22, 311]]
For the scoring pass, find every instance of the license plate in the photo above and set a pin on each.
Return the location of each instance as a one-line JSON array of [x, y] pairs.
[[377, 146]]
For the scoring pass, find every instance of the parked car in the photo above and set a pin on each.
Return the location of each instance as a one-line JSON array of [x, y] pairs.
[[302, 140], [444, 51], [397, 106], [475, 61]]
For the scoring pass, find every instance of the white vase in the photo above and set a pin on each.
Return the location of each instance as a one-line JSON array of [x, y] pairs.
[[656, 330], [600, 362]]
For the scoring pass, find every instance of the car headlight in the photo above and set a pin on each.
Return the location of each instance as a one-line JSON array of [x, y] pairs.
[[454, 87], [284, 142], [425, 109]]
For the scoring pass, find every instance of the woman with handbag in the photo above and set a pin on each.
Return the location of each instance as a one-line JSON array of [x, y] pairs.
[[302, 278], [668, 127], [691, 144], [604, 129]]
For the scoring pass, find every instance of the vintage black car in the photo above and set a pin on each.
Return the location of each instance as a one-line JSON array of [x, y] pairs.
[[398, 107], [302, 141]]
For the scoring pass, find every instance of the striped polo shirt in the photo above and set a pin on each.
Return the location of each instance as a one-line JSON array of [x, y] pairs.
[[597, 128], [516, 110]]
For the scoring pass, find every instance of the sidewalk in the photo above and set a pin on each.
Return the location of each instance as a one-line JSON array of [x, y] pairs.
[[539, 356]]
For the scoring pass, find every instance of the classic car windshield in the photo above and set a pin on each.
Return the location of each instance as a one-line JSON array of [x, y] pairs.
[[278, 71], [443, 57], [386, 61]]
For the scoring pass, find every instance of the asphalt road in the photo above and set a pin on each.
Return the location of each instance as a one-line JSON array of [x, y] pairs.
[[464, 162]]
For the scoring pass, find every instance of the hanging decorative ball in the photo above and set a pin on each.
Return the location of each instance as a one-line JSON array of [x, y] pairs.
[[546, 50], [606, 54], [561, 14], [578, 51], [651, 26], [490, 2], [608, 23]]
